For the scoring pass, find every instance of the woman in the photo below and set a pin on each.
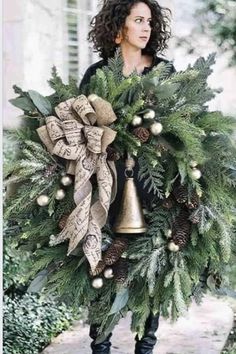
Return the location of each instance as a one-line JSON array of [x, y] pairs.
[[140, 29]]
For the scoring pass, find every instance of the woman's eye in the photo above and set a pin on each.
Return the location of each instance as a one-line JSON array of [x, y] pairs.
[[138, 20]]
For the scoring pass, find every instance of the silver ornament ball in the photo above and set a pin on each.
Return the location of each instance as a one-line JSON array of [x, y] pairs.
[[43, 200], [97, 283], [173, 247], [66, 181], [60, 194], [108, 273], [150, 114], [156, 128], [196, 173], [136, 121]]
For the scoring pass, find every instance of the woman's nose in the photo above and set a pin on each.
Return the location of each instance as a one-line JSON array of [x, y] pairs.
[[146, 27]]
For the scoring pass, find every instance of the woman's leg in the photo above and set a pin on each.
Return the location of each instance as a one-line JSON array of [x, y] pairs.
[[146, 344], [100, 348]]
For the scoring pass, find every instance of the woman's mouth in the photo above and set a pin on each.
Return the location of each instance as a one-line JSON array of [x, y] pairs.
[[145, 39]]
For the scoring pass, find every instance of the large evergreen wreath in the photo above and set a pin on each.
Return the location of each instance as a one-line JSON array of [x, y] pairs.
[[187, 158]]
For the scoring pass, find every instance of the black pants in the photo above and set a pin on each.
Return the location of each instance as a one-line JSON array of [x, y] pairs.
[[144, 345]]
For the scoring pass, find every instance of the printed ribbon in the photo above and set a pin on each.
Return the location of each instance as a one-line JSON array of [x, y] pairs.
[[74, 137]]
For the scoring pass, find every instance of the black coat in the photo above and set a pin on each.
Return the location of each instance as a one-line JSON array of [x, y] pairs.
[[145, 197]]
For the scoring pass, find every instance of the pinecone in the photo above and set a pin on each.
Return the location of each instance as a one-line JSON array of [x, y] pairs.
[[63, 220], [99, 269], [168, 203], [112, 154], [181, 229], [114, 252], [193, 203], [49, 170], [142, 134], [120, 271], [180, 193]]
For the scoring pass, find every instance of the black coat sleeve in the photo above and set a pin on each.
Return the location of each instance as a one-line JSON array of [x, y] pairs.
[[83, 87]]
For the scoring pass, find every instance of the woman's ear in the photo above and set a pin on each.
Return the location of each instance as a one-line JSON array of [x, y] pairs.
[[119, 38]]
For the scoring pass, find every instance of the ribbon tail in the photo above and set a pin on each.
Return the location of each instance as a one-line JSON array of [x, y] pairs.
[[76, 225], [92, 244], [98, 213]]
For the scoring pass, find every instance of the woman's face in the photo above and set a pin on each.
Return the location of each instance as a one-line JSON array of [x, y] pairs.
[[137, 28]]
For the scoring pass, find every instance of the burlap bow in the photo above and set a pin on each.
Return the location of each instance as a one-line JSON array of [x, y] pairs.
[[74, 137]]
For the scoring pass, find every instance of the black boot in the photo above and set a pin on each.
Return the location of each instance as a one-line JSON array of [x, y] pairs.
[[103, 347], [146, 344]]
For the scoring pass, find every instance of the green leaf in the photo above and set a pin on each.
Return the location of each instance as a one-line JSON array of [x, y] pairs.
[[23, 103], [39, 282], [120, 301], [42, 103]]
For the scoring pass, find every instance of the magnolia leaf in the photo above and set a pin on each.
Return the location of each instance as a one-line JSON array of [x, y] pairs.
[[23, 103], [120, 301], [39, 282], [42, 103]]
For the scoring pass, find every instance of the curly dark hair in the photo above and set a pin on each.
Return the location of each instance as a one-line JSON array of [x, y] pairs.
[[111, 19]]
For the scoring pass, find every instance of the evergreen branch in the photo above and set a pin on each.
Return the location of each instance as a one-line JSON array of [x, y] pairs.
[[152, 176], [216, 122]]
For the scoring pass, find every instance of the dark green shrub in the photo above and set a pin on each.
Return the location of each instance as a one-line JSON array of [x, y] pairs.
[[30, 323]]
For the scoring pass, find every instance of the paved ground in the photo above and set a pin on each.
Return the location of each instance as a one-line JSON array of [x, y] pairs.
[[203, 331]]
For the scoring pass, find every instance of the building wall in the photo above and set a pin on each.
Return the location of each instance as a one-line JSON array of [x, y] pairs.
[[35, 38], [33, 41]]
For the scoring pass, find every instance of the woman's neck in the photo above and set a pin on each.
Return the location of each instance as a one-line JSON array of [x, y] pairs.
[[134, 60]]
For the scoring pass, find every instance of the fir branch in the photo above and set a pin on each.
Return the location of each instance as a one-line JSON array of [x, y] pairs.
[[187, 132], [152, 176], [216, 122]]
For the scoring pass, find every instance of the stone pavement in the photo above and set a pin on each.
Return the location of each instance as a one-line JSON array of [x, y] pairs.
[[203, 331]]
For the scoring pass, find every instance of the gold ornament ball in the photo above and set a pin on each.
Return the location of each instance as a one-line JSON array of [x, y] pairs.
[[156, 128], [193, 163], [97, 283], [173, 247], [108, 273], [196, 173], [43, 200], [149, 115], [60, 194], [136, 121], [168, 233], [66, 181]]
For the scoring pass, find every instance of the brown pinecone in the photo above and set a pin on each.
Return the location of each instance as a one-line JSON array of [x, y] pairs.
[[99, 269], [168, 203], [63, 220], [49, 170], [181, 229], [112, 154], [180, 193], [114, 252], [193, 203], [142, 134], [120, 271]]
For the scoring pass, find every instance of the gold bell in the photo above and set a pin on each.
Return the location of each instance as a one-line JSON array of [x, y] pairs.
[[130, 219]]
